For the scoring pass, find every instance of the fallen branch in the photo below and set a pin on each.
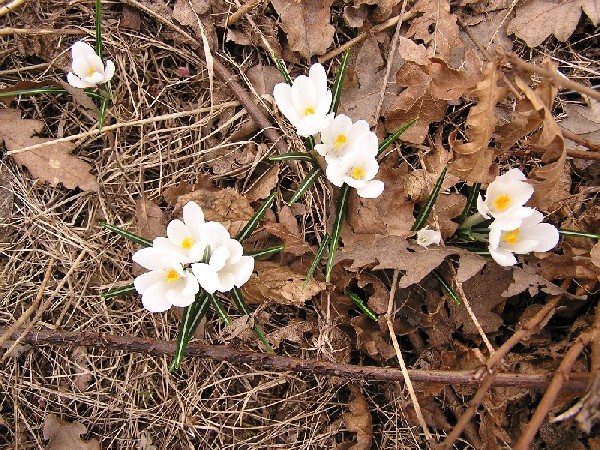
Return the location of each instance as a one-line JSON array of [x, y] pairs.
[[155, 347]]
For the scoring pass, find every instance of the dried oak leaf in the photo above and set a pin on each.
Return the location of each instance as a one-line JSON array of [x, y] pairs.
[[66, 436], [294, 332], [394, 252], [537, 19], [280, 285], [473, 159], [584, 121], [371, 340], [53, 163], [227, 206], [263, 78], [527, 279], [358, 420], [289, 232], [306, 25], [430, 84], [150, 219]]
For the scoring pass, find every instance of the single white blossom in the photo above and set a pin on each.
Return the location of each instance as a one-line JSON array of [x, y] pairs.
[[529, 236], [338, 138], [505, 196], [306, 102], [88, 69], [358, 167], [185, 238], [226, 266], [167, 283], [427, 237]]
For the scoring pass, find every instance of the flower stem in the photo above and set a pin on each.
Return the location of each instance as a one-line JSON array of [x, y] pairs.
[[578, 234], [340, 213]]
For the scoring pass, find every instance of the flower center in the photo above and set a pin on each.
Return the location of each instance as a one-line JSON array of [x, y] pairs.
[[512, 237], [309, 110], [357, 173], [91, 72], [340, 140], [502, 202], [187, 243], [172, 276]]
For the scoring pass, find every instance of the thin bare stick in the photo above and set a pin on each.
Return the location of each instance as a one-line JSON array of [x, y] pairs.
[[361, 37], [409, 385], [562, 374], [133, 123], [594, 146], [556, 76], [472, 315], [23, 69], [39, 31], [29, 311], [156, 347], [580, 154], [14, 4], [44, 305], [247, 7]]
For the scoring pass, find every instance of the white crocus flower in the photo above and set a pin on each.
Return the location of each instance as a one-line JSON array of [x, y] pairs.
[[306, 102], [529, 236], [226, 266], [358, 167], [167, 284], [88, 69], [505, 196], [185, 238], [427, 237], [339, 137]]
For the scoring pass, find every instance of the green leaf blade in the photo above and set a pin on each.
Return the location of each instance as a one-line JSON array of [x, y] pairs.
[[192, 315], [256, 218], [127, 234], [428, 206], [306, 184], [340, 213], [392, 137], [339, 81]]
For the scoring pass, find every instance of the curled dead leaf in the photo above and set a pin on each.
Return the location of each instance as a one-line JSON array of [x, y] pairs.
[[64, 435]]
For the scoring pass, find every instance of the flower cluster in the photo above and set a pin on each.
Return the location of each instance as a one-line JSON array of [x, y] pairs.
[[195, 254], [350, 148], [88, 69], [516, 228]]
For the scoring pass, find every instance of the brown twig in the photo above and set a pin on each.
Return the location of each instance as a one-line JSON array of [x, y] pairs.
[[581, 154], [155, 347], [531, 327], [554, 75], [247, 7], [40, 31], [594, 146]]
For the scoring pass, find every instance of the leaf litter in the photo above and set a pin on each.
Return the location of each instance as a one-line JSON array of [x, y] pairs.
[[476, 114]]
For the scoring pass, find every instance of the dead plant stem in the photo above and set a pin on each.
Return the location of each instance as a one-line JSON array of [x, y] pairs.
[[156, 347], [247, 7]]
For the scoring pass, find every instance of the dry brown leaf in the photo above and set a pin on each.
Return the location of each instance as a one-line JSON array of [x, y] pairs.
[[526, 279], [289, 232], [306, 25], [537, 19], [489, 29], [66, 436], [393, 252], [371, 340], [430, 85], [263, 187], [7, 198], [189, 12], [294, 332], [130, 18], [53, 163], [584, 121], [595, 254], [447, 207], [227, 206], [150, 219], [83, 370], [264, 78], [280, 285], [358, 420], [473, 159]]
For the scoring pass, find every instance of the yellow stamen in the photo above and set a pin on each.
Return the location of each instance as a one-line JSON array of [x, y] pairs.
[[308, 111], [502, 202], [187, 243], [91, 72], [357, 173], [340, 140], [172, 276], [512, 237]]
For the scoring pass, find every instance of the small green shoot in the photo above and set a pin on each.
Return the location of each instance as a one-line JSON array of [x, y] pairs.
[[127, 235], [120, 291], [339, 81], [256, 218], [340, 213], [471, 200], [218, 307], [317, 260], [428, 206], [306, 184], [264, 253], [192, 315], [362, 306], [446, 287], [244, 309], [392, 137]]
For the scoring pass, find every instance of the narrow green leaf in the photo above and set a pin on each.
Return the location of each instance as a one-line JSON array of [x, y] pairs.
[[256, 218], [446, 287], [306, 184], [339, 81], [317, 260], [33, 91], [309, 143], [99, 28], [295, 156], [102, 118], [578, 234], [392, 137], [471, 200], [428, 206], [120, 291], [264, 252], [214, 301], [126, 234], [242, 306], [362, 306], [282, 69], [340, 213], [192, 315]]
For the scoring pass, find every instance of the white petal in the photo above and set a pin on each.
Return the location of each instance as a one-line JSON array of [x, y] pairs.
[[206, 276], [155, 299], [513, 175], [81, 49], [109, 70], [235, 251], [143, 282], [322, 149], [482, 207], [150, 258], [95, 79], [177, 231], [283, 97], [312, 124], [215, 234], [304, 95], [547, 236], [243, 270], [318, 76], [372, 189], [81, 67], [77, 82], [219, 257], [334, 173], [226, 281], [503, 257], [324, 104]]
